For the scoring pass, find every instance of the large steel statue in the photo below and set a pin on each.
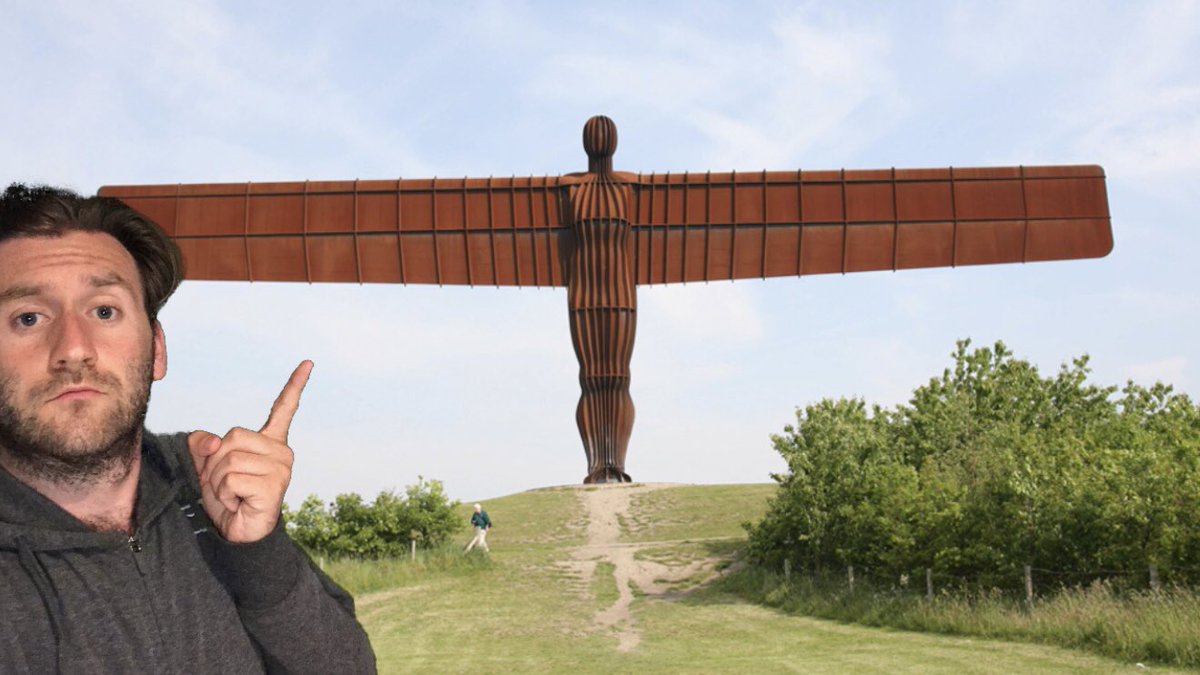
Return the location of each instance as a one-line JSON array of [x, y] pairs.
[[602, 233]]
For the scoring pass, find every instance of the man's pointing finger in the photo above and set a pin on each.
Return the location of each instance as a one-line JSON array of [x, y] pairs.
[[284, 409]]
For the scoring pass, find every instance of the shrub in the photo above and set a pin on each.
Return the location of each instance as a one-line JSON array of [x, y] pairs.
[[989, 468], [348, 527]]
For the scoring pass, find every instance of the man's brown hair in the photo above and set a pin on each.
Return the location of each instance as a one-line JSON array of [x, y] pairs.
[[44, 211]]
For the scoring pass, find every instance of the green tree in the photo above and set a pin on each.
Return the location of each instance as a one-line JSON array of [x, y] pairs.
[[433, 514], [845, 497], [312, 526], [990, 467]]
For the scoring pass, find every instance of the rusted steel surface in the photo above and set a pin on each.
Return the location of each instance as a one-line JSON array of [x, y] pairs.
[[602, 233], [686, 227], [697, 227], [485, 231], [602, 299]]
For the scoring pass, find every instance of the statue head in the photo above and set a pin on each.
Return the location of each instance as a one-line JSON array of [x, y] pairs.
[[600, 143]]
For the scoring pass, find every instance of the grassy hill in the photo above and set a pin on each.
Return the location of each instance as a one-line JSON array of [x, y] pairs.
[[616, 579]]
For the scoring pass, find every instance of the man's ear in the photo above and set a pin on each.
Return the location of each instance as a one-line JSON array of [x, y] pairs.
[[160, 352]]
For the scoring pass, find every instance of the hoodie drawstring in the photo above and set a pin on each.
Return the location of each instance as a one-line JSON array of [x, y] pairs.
[[37, 573]]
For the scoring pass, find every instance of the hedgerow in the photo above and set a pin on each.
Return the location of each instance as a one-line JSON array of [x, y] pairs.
[[348, 527]]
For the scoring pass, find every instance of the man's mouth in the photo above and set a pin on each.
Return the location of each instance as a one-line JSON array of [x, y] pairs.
[[76, 394]]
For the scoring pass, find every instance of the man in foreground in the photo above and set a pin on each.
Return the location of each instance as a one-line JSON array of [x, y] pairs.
[[123, 551]]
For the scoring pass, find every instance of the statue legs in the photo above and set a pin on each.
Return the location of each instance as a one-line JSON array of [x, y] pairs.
[[602, 298], [603, 339]]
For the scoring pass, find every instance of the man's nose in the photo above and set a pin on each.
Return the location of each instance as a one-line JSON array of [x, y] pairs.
[[74, 346]]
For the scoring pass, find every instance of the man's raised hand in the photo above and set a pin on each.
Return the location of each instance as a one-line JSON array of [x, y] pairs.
[[244, 474]]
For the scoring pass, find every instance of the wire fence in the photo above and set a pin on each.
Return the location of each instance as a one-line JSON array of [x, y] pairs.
[[1028, 580]]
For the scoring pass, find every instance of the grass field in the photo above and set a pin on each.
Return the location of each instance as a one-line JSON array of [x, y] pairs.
[[617, 579], [1161, 626]]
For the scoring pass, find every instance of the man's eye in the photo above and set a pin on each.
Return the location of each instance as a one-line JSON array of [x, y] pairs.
[[106, 312], [28, 319]]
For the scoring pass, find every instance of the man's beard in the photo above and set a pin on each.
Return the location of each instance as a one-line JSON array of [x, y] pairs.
[[69, 456]]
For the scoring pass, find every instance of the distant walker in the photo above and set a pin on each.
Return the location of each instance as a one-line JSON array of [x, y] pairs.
[[481, 523]]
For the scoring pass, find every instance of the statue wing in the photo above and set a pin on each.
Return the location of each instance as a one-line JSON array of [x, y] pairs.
[[469, 231], [688, 227], [721, 226]]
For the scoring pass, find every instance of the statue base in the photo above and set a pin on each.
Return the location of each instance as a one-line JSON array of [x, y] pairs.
[[607, 475]]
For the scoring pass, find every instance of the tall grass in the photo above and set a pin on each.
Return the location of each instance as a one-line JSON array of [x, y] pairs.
[[368, 575], [1162, 626]]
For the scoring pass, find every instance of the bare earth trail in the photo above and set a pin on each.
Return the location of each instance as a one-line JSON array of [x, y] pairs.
[[605, 507]]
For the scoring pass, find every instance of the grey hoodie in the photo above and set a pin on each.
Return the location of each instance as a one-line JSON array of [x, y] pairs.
[[173, 598]]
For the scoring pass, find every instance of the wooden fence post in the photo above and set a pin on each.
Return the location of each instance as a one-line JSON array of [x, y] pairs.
[[1029, 585], [1154, 578], [929, 583], [787, 570], [412, 544], [850, 574]]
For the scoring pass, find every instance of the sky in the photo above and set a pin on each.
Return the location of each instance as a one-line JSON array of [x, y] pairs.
[[477, 387]]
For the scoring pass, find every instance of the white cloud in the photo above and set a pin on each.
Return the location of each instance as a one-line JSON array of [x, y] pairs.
[[1141, 115], [1020, 36], [698, 313], [1172, 370], [190, 93], [1150, 132], [1155, 303], [376, 332], [1115, 81], [758, 99]]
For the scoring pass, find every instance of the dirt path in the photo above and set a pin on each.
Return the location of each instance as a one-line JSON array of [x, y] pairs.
[[604, 506]]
